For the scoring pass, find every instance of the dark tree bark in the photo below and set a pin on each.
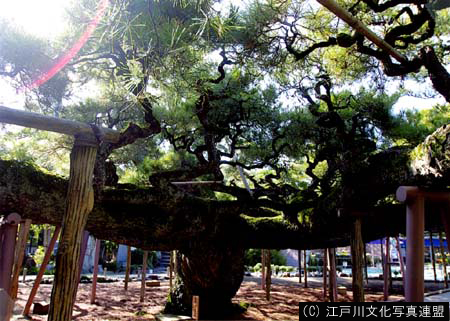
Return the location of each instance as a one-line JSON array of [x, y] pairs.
[[214, 272]]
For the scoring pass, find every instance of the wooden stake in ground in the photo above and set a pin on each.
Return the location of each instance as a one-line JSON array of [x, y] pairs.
[[325, 266], [95, 274], [387, 270], [263, 269], [127, 271], [195, 307], [79, 203], [444, 259], [18, 257], [357, 251], [268, 275], [433, 258], [40, 274], [333, 284], [402, 264], [144, 271], [365, 265], [170, 270], [299, 254], [306, 270]]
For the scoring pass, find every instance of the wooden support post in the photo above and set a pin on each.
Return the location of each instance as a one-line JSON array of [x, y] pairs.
[[268, 275], [84, 244], [8, 234], [400, 258], [95, 274], [299, 255], [144, 271], [175, 263], [444, 260], [325, 266], [18, 257], [433, 258], [305, 268], [40, 274], [357, 251], [7, 246], [361, 28], [171, 271], [415, 223], [263, 269], [24, 274], [333, 283], [127, 270], [79, 203], [195, 307], [366, 274], [387, 275]]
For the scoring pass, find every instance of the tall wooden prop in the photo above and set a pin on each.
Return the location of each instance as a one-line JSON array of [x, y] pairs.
[[305, 268], [325, 266], [444, 259], [127, 271], [263, 269], [415, 225], [144, 271], [95, 274], [433, 258], [18, 257], [79, 203], [366, 274], [357, 251], [299, 255], [268, 274], [387, 269], [7, 246], [170, 270], [38, 279], [402, 264], [8, 234], [333, 283]]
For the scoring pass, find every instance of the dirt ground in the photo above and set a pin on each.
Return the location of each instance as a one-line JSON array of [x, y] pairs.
[[114, 303]]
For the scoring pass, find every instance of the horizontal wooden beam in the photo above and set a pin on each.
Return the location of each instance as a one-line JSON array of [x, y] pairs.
[[406, 193], [57, 125], [361, 28]]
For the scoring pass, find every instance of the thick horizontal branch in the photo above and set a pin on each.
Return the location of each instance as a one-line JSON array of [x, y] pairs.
[[160, 219]]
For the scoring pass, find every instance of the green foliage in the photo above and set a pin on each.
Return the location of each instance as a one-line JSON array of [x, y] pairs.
[[38, 256], [253, 257]]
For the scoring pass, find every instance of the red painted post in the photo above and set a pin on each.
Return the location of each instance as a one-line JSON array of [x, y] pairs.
[[94, 277], [38, 280], [18, 256], [8, 244], [415, 224]]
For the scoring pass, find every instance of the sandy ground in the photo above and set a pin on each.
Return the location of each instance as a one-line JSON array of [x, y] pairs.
[[114, 303]]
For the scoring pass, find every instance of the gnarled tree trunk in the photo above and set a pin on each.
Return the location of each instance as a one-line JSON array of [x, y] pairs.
[[214, 272]]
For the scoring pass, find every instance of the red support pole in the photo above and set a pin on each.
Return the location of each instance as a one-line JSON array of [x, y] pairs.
[[415, 224], [38, 280], [94, 277], [8, 244], [18, 257]]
